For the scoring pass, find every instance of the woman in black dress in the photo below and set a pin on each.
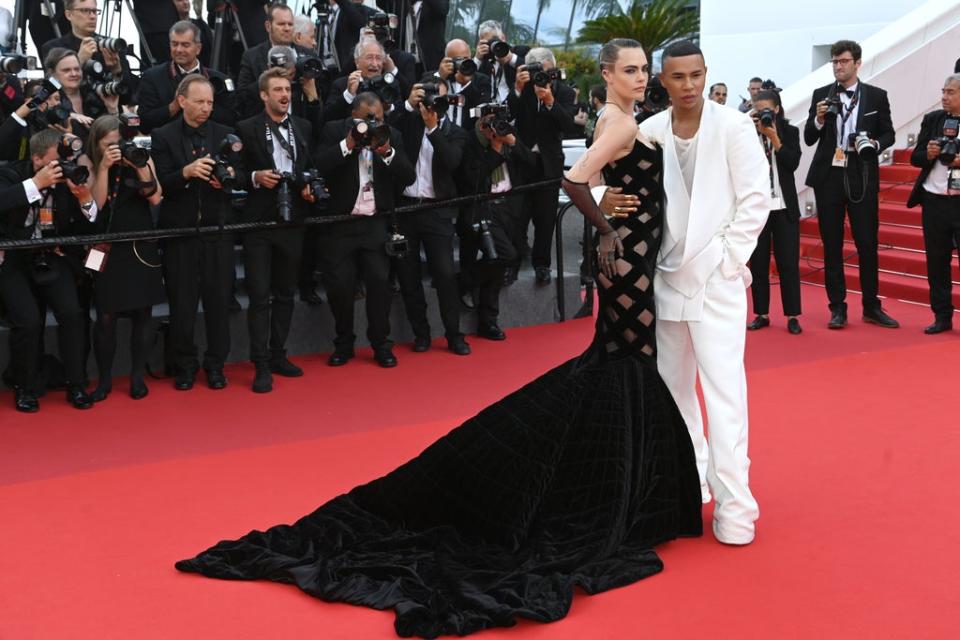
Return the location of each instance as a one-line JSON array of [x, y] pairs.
[[129, 282], [569, 481]]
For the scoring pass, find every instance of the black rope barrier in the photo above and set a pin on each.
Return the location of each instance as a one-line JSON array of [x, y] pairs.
[[183, 232]]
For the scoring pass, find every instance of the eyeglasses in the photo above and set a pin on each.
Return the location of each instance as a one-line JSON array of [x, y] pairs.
[[841, 61], [89, 12]]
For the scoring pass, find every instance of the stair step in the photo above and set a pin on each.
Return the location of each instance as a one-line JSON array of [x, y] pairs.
[[895, 191], [892, 285], [896, 213], [899, 173], [889, 235], [902, 156], [912, 263]]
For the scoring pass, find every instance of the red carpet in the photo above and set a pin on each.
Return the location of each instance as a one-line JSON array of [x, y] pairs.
[[854, 443]]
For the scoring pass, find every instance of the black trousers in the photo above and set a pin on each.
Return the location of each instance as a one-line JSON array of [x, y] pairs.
[[433, 230], [350, 250], [199, 269], [309, 259], [941, 232], [540, 207], [477, 270], [159, 44], [22, 299], [833, 205], [271, 261], [784, 234]]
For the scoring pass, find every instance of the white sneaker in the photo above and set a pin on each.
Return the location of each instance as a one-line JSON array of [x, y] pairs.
[[741, 538]]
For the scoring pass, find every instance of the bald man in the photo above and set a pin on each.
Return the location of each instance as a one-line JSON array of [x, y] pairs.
[[463, 79]]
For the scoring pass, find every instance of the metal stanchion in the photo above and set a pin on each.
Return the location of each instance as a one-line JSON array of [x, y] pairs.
[[561, 294]]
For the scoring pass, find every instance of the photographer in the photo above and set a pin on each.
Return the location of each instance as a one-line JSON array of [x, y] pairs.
[[718, 93], [127, 278], [365, 165], [41, 25], [158, 99], [395, 61], [544, 110], [938, 189], [370, 75], [36, 200], [206, 33], [493, 163], [35, 114], [434, 146], [279, 27], [459, 71], [202, 267], [499, 66], [304, 33], [276, 149], [754, 86], [849, 121], [781, 144], [76, 93]]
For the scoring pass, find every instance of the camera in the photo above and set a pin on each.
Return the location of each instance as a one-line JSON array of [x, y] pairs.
[[112, 88], [949, 145], [385, 86], [285, 197], [230, 146], [49, 87], [766, 117], [500, 123], [655, 98], [68, 150], [862, 143], [542, 77], [834, 107], [94, 70], [487, 245], [436, 102], [498, 49], [43, 271], [397, 245], [464, 66], [318, 186], [382, 24], [279, 59], [309, 67], [54, 116], [117, 45], [370, 133], [14, 63], [132, 147]]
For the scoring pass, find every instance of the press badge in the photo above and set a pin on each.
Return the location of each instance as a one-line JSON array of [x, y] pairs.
[[367, 194], [96, 258], [953, 181], [45, 218], [839, 157]]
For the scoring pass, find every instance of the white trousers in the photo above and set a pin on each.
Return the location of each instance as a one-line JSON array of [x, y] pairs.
[[713, 347]]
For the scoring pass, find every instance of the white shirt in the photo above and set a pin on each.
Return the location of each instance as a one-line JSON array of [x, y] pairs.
[[366, 204], [844, 131], [938, 181], [505, 184], [423, 185], [499, 78], [196, 69], [281, 159]]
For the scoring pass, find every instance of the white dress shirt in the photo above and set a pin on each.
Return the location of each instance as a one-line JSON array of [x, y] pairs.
[[366, 204]]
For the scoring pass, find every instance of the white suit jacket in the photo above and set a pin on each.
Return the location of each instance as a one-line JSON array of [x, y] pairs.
[[724, 214]]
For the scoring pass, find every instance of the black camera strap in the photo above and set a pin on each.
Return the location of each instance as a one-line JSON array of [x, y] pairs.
[[844, 117], [769, 151], [285, 144]]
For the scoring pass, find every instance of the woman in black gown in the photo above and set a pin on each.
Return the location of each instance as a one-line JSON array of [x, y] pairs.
[[569, 481], [130, 282]]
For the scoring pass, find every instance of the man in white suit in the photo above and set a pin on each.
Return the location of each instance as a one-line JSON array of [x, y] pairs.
[[716, 184]]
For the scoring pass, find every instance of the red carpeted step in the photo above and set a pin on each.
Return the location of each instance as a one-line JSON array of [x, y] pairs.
[[896, 213], [899, 173], [895, 191], [892, 285], [902, 156], [890, 235], [902, 261]]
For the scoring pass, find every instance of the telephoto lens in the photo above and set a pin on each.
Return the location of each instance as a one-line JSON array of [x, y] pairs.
[[464, 66], [487, 245], [117, 45], [94, 70], [499, 48], [285, 199], [113, 88], [14, 63]]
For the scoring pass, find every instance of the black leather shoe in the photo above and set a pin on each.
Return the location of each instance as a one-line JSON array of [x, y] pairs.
[[880, 318], [939, 326], [384, 357], [758, 323], [262, 379], [793, 326], [542, 275], [283, 367], [78, 397], [101, 392], [26, 402], [509, 276], [310, 296], [138, 389], [184, 380], [838, 319], [491, 332], [340, 357], [421, 344], [458, 346], [215, 379]]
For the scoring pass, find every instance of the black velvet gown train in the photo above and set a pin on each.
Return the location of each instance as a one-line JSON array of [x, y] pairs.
[[569, 481]]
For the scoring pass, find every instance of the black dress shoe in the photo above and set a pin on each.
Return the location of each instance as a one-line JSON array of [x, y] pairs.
[[542, 275], [838, 319], [138, 389], [491, 332], [880, 318], [421, 344], [26, 401], [758, 323], [458, 346], [939, 326], [283, 367], [184, 380], [793, 326], [78, 397], [101, 392], [340, 357], [215, 379], [509, 276], [310, 296], [384, 357], [262, 379]]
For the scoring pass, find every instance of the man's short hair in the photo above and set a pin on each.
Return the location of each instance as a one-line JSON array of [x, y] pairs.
[[183, 26], [680, 49], [365, 99], [362, 44], [43, 140], [599, 91], [756, 79], [541, 55], [263, 82], [184, 87], [302, 25], [842, 46], [70, 4], [717, 84], [276, 6], [953, 77], [489, 26]]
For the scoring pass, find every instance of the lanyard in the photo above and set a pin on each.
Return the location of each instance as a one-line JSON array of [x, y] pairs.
[[768, 150], [842, 142], [286, 145]]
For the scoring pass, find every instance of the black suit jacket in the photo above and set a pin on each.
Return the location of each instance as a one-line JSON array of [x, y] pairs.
[[257, 156], [14, 207], [342, 173], [336, 108], [480, 160], [252, 64], [545, 128], [873, 117], [155, 16], [788, 159], [188, 203], [477, 92], [158, 86], [930, 129], [448, 142], [509, 71], [353, 17]]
